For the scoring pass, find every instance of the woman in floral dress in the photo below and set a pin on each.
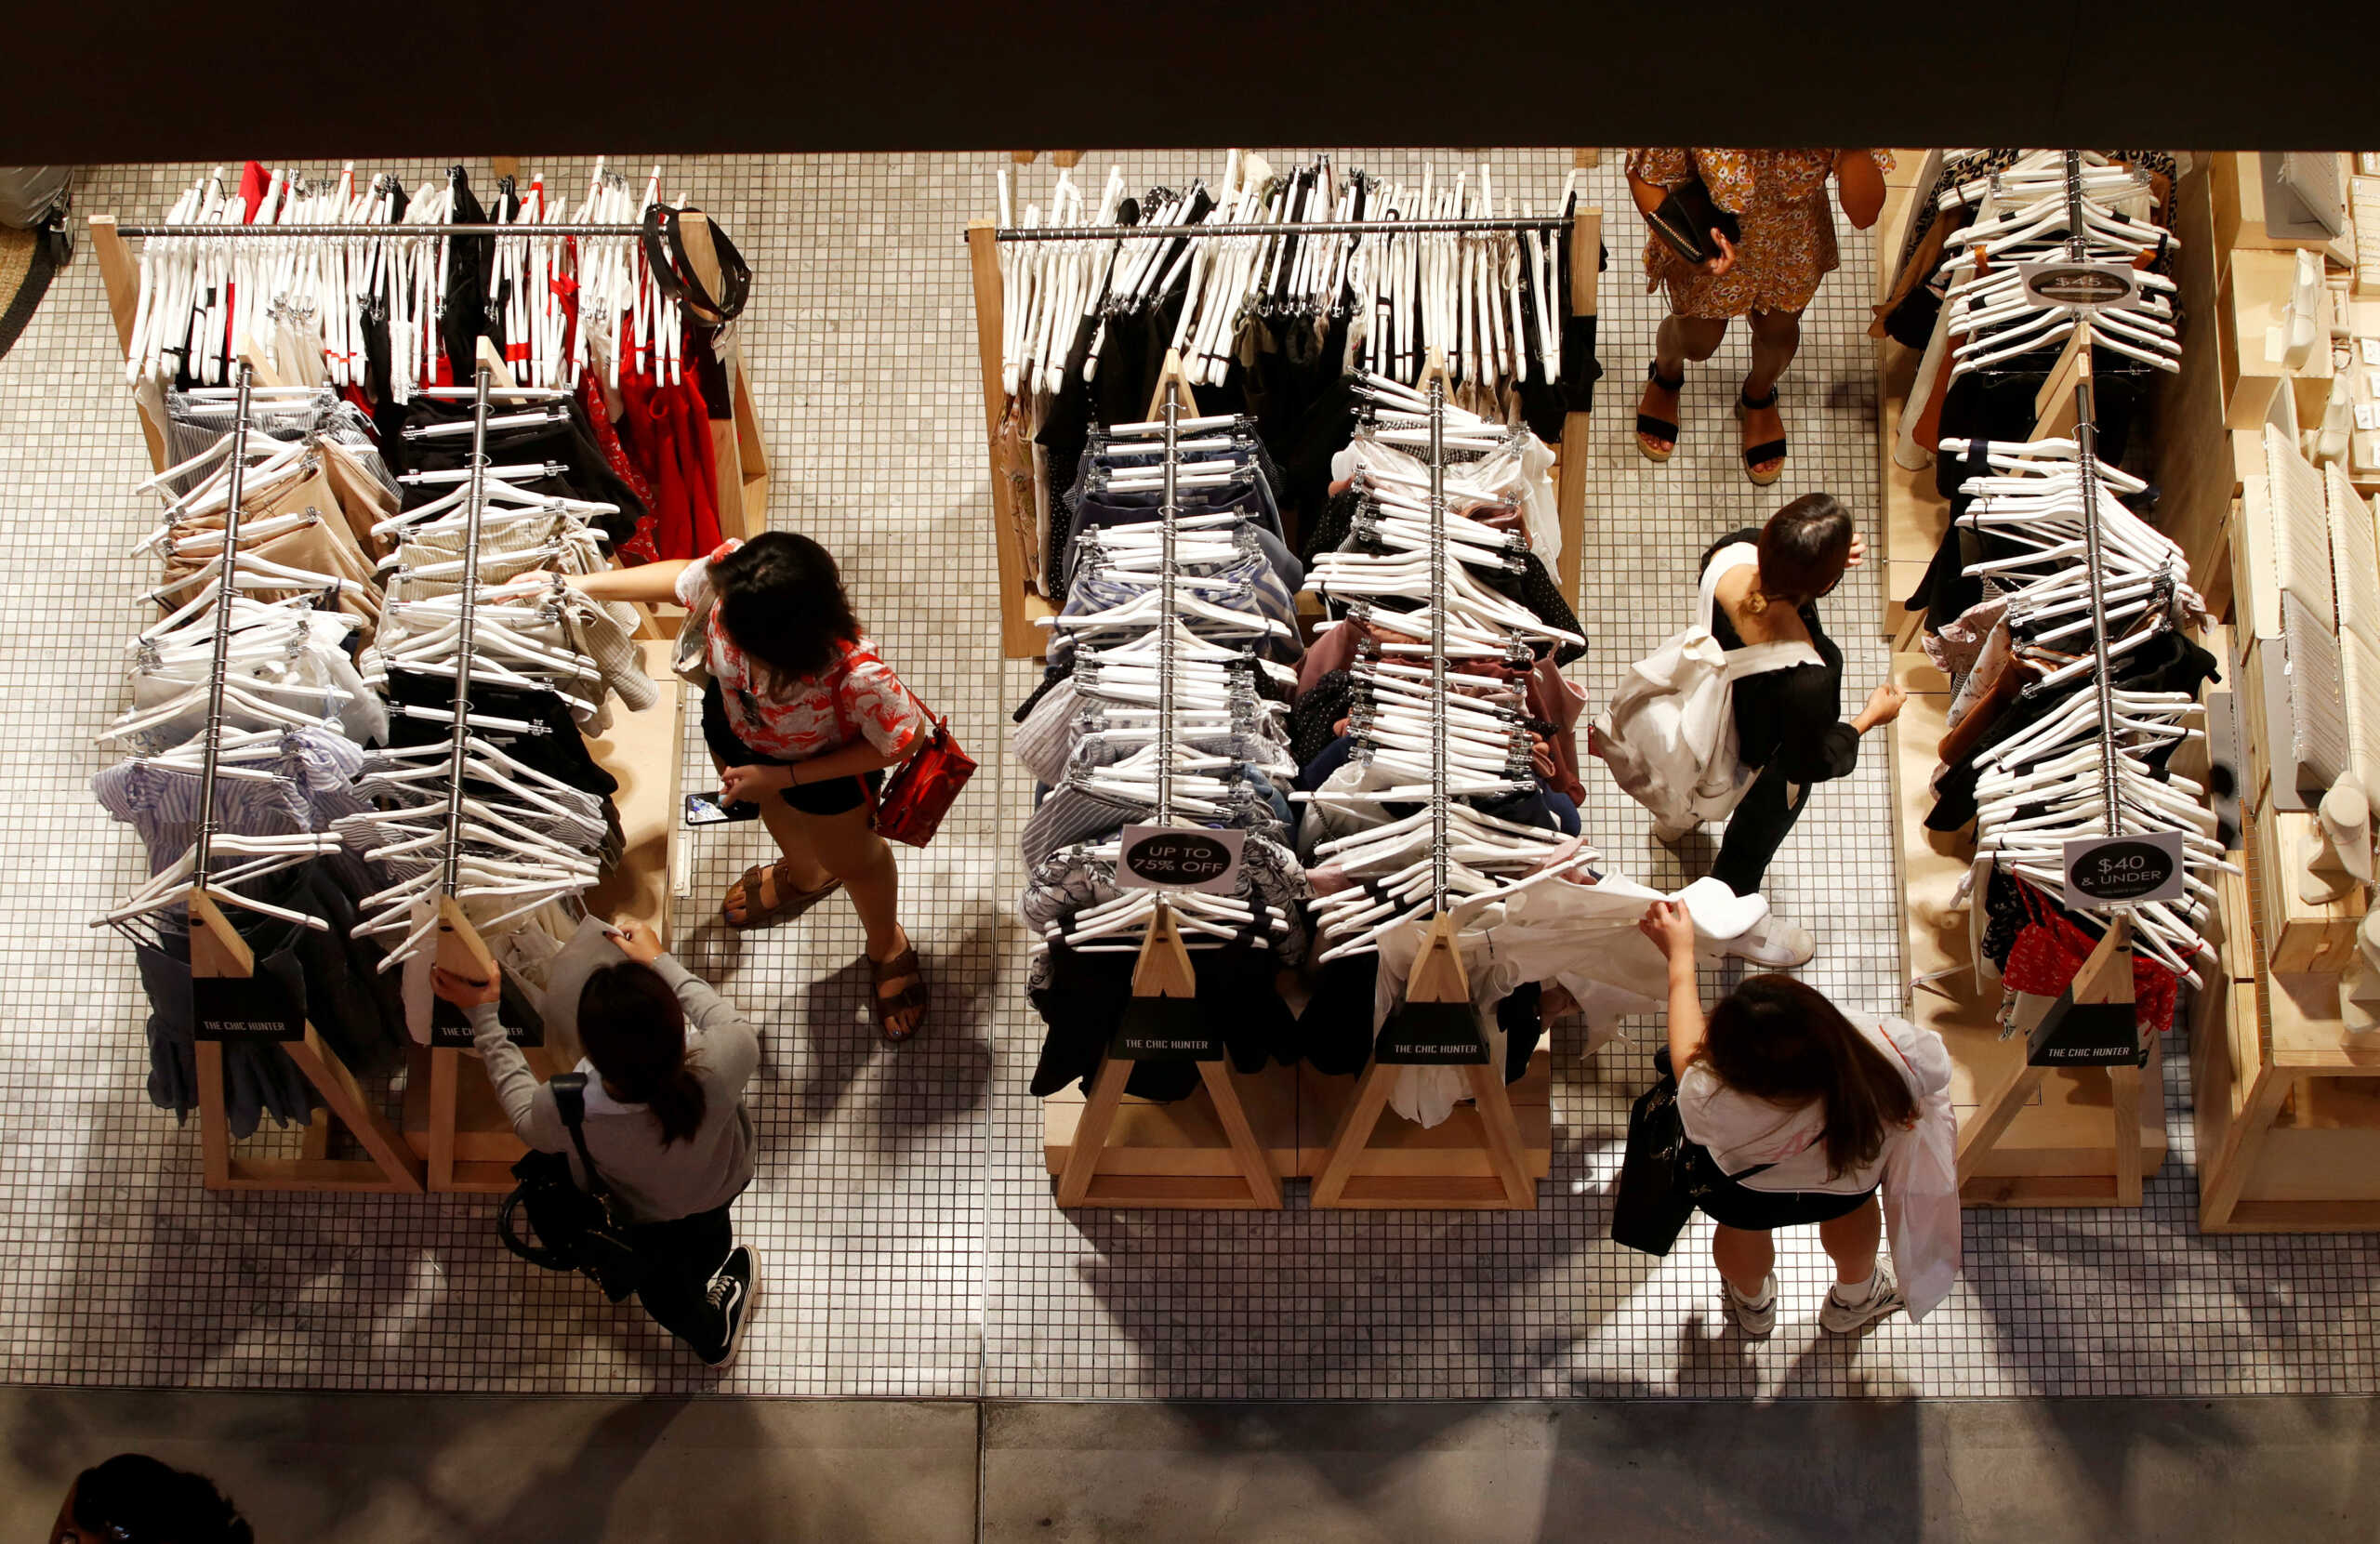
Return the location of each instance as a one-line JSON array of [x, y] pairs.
[[1779, 197], [801, 717]]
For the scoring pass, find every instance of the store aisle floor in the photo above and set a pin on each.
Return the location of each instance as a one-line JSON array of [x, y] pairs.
[[394, 1470], [912, 1246]]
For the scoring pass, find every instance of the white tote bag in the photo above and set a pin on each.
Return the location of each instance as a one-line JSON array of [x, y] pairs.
[[1668, 731], [1920, 1180]]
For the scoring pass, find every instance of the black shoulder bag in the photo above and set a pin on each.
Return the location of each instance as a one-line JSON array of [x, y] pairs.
[[577, 1229], [1664, 1171]]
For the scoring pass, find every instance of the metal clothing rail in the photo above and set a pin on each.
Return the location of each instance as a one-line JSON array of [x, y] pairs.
[[467, 627], [386, 228], [218, 668], [1437, 642], [1280, 227], [2086, 441]]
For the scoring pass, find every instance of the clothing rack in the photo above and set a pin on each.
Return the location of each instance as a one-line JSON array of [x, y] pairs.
[[1354, 1174], [1022, 607], [218, 952], [1102, 1167], [740, 452], [2055, 1069]]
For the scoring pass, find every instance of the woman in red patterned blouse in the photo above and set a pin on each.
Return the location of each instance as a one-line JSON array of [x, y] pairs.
[[801, 717]]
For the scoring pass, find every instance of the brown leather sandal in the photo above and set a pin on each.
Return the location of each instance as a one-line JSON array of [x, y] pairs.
[[791, 902], [912, 996]]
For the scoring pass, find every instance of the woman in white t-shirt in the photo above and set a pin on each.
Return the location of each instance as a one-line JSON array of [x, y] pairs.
[[1798, 1109]]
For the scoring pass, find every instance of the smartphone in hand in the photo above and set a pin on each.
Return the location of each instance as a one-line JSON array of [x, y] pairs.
[[706, 809]]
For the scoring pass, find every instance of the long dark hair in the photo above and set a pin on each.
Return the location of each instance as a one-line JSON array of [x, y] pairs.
[[1804, 549], [1778, 1040], [635, 1033], [781, 599], [149, 1502]]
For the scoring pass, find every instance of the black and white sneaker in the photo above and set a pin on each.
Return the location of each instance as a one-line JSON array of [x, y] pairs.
[[1837, 1317], [732, 1292]]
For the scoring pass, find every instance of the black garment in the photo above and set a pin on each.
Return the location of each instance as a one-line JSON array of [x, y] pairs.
[[1738, 1206], [587, 474], [2167, 663], [682, 1256], [1790, 718], [1088, 994], [1314, 720], [331, 976], [1757, 829], [470, 262], [560, 752], [1997, 403], [831, 795], [1335, 1032]]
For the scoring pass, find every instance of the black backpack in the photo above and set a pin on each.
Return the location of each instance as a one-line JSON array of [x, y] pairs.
[[577, 1229]]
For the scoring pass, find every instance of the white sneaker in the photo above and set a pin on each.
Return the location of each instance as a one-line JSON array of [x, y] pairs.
[[1778, 945], [1837, 1317], [1756, 1322], [1669, 835]]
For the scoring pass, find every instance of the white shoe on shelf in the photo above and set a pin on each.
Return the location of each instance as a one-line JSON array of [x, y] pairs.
[[1776, 944]]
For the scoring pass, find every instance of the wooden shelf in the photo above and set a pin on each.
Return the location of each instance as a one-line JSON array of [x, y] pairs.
[[2288, 1105], [1183, 1138], [1406, 1159], [646, 752], [2059, 1150]]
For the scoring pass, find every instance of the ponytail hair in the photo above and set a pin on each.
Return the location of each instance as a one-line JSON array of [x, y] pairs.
[[1777, 1039], [1804, 549], [635, 1033]]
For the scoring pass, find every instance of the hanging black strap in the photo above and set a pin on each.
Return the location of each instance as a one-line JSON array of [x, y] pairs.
[[570, 1098], [677, 276]]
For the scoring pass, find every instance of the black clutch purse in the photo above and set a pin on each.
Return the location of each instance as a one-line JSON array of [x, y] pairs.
[[1686, 219]]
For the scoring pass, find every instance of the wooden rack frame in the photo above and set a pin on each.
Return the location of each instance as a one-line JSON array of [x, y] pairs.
[[452, 1136], [2029, 1136], [1221, 1152], [1022, 607]]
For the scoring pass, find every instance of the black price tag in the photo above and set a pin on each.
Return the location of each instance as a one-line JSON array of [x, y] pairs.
[[1166, 1029], [2086, 1035], [2117, 871], [2083, 287], [450, 1029], [1177, 857], [255, 1009], [1432, 1034]]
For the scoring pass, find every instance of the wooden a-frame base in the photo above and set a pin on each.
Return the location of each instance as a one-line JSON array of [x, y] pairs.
[[217, 951], [1241, 1176], [1353, 1173]]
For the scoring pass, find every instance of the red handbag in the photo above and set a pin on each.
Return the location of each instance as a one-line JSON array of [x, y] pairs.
[[920, 791]]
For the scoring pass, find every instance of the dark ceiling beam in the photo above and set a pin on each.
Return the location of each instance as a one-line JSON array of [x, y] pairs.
[[109, 80]]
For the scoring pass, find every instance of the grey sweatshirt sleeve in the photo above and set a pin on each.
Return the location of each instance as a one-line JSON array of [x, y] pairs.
[[526, 1103], [730, 1045]]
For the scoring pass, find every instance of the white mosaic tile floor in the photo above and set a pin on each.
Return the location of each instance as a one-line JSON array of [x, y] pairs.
[[911, 1242]]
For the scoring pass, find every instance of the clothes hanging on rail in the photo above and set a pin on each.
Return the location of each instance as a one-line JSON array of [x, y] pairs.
[[1270, 326], [388, 307]]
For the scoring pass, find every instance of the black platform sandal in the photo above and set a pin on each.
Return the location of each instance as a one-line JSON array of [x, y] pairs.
[[1650, 430], [1767, 450]]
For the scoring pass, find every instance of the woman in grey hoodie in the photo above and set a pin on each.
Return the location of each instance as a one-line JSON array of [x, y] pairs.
[[667, 1061]]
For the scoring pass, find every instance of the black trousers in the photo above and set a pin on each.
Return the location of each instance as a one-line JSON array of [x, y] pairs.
[[1757, 829], [683, 1256]]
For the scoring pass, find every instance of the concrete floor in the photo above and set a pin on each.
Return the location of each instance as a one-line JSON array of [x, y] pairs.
[[398, 1469]]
